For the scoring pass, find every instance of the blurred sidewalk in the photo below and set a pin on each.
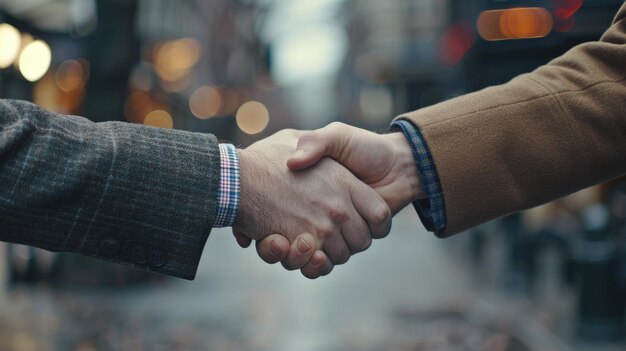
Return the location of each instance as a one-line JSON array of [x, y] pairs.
[[386, 298]]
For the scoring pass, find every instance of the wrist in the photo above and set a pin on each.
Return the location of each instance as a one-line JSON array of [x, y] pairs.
[[408, 173], [244, 165], [251, 203]]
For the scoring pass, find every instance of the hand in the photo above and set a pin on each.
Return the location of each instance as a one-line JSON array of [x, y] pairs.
[[302, 253], [341, 213], [385, 162]]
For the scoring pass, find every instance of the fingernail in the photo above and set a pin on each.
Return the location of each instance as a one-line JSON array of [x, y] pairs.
[[275, 249], [303, 246], [316, 260]]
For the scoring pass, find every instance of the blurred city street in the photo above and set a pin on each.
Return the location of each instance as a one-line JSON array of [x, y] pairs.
[[237, 302], [406, 293], [551, 278]]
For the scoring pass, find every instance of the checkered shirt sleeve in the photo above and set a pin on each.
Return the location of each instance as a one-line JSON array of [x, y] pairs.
[[229, 189], [432, 211]]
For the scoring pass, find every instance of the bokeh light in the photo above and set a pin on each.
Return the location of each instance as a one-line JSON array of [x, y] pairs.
[[205, 102], [70, 75], [515, 23], [35, 60], [137, 106], [174, 59], [159, 118], [309, 53], [252, 117], [10, 42], [456, 42], [564, 9]]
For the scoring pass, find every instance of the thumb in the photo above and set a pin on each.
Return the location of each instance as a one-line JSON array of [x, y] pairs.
[[313, 146]]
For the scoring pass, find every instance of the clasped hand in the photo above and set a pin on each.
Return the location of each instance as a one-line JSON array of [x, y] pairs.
[[313, 199]]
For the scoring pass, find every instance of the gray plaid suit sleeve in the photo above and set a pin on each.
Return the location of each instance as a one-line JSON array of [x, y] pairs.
[[125, 193]]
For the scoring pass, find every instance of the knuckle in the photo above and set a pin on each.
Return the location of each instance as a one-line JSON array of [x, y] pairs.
[[336, 125], [308, 137], [288, 131], [337, 214], [326, 231], [381, 214]]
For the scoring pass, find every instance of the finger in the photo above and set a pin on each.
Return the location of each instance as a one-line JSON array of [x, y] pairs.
[[329, 269], [372, 208], [300, 252], [274, 248], [356, 233], [318, 265], [336, 248], [313, 146], [242, 239]]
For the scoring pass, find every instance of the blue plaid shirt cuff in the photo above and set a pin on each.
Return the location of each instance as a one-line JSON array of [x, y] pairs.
[[228, 193], [432, 211]]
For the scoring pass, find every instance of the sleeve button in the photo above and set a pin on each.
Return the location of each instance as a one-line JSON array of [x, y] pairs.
[[139, 254], [158, 258], [109, 247]]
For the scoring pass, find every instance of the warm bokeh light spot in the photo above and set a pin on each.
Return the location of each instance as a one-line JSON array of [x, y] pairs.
[[10, 42], [205, 102], [515, 23], [137, 106], [70, 75], [174, 59], [253, 117], [159, 118], [186, 52], [35, 60]]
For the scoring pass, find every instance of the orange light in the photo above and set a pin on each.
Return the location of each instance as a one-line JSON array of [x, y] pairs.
[[515, 23], [159, 118], [174, 59], [137, 106]]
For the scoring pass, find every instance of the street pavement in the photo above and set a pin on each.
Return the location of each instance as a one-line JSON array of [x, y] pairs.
[[408, 292]]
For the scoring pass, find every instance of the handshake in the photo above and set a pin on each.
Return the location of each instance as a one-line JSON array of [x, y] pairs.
[[313, 199]]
